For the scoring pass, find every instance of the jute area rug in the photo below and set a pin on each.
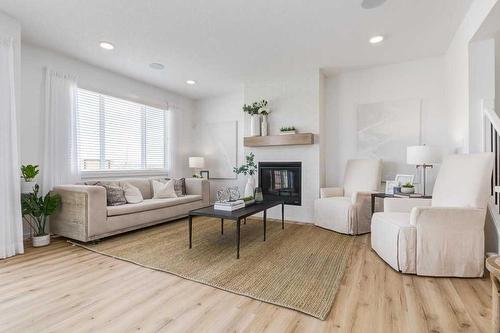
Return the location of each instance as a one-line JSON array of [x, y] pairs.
[[299, 267]]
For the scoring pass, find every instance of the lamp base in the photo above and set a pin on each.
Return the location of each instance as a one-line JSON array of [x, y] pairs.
[[424, 176]]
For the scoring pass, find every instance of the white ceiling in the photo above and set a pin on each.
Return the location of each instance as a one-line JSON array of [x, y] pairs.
[[223, 43]]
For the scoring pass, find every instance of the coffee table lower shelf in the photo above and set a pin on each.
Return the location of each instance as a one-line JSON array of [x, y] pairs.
[[237, 216]]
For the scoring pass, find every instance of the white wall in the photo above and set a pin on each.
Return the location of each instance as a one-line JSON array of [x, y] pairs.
[[294, 101], [457, 69], [481, 86], [422, 79], [34, 59], [220, 108]]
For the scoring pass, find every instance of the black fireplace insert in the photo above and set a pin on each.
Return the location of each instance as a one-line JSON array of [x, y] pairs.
[[281, 180]]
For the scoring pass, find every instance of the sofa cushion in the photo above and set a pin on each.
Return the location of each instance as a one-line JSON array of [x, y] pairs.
[[163, 190], [179, 184], [150, 204], [99, 182], [115, 195], [142, 184], [132, 194]]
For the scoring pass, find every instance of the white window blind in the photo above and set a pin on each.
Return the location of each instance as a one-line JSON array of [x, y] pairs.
[[115, 134]]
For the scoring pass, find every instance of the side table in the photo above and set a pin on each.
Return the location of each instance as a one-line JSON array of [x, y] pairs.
[[493, 266], [384, 195]]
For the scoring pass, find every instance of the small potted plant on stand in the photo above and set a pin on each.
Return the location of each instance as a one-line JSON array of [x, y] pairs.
[[249, 169], [36, 209], [407, 188], [288, 130], [28, 175]]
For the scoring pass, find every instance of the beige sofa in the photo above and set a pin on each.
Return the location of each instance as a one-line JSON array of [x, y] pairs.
[[84, 215]]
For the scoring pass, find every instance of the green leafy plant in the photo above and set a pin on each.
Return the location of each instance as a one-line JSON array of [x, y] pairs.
[[29, 172], [408, 185], [37, 208], [287, 128], [249, 168], [256, 108]]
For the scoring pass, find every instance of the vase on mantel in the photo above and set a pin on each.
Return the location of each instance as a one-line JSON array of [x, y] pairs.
[[255, 125], [264, 126]]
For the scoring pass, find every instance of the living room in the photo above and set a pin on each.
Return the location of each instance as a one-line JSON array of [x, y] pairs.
[[358, 139]]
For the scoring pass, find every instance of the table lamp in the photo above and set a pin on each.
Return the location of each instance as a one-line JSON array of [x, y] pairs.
[[197, 163], [424, 157]]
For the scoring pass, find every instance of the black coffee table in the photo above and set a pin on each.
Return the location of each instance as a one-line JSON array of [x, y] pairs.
[[237, 216]]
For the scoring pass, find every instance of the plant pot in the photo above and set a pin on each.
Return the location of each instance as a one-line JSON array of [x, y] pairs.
[[255, 125], [249, 187], [39, 241], [288, 132], [27, 187], [407, 190], [264, 126]]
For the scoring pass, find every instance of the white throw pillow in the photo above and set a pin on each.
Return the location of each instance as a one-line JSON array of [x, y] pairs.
[[164, 190], [132, 193]]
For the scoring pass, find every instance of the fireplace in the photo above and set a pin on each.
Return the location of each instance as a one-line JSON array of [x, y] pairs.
[[281, 180]]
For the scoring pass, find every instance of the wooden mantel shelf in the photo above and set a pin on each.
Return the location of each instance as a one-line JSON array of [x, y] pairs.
[[279, 140]]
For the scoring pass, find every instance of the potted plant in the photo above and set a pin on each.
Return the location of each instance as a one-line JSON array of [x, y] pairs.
[[248, 169], [288, 130], [253, 111], [36, 209], [28, 175], [407, 188]]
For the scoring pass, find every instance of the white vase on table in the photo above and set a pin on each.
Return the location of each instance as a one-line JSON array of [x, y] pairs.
[[249, 187]]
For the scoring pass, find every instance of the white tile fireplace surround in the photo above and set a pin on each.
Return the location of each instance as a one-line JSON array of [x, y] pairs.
[[308, 156]]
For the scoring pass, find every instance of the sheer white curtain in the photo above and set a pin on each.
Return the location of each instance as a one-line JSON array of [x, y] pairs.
[[11, 228], [60, 155]]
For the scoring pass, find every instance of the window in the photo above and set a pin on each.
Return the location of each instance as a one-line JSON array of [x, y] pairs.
[[115, 134]]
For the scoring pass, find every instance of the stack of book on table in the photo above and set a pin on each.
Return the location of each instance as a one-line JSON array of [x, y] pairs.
[[408, 195], [230, 205]]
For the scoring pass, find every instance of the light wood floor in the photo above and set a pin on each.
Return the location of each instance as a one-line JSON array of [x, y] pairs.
[[62, 288]]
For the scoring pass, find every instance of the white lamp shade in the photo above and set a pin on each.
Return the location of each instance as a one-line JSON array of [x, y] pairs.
[[197, 162], [420, 155]]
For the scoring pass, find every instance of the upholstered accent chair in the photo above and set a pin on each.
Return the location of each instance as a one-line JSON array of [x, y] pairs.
[[347, 209], [443, 236]]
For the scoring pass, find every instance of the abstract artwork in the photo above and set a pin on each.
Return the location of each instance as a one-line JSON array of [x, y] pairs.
[[219, 145], [385, 129]]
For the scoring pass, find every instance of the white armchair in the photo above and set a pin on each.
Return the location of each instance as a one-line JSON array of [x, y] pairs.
[[443, 236], [347, 209]]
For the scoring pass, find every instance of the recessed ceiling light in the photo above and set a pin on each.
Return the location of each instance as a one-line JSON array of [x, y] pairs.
[[156, 65], [106, 45], [191, 82], [370, 4], [376, 39]]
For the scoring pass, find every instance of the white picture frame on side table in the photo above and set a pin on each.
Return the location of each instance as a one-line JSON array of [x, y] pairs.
[[390, 185], [403, 179]]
